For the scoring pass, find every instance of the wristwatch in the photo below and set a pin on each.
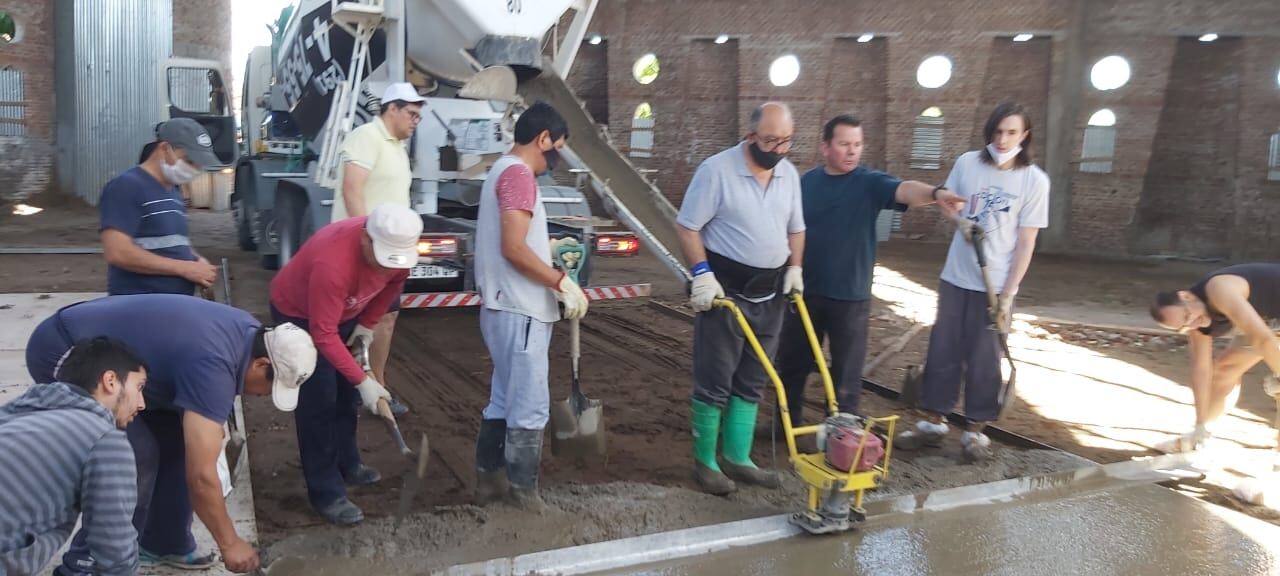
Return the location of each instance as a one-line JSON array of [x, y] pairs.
[[934, 194]]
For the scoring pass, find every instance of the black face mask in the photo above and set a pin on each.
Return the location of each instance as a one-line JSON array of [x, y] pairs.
[[766, 160], [552, 158]]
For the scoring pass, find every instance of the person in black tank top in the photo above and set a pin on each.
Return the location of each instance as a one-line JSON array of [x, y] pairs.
[[1242, 301]]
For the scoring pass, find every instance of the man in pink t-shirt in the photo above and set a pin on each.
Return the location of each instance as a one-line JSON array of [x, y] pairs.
[[339, 284], [520, 288]]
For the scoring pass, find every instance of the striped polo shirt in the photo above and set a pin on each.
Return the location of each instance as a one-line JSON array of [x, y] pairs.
[[155, 217]]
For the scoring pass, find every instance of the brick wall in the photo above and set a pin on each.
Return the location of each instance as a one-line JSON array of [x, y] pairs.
[[1186, 205], [26, 161], [202, 29], [877, 81]]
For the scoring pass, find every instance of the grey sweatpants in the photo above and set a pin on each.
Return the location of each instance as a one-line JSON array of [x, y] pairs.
[[518, 345], [723, 361], [962, 344]]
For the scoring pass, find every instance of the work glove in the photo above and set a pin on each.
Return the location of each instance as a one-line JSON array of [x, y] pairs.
[[1004, 313], [358, 343], [965, 226], [793, 280], [370, 391], [704, 292], [570, 294], [360, 337], [1271, 385]]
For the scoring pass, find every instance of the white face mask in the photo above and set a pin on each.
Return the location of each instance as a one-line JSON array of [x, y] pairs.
[[1002, 158], [181, 173]]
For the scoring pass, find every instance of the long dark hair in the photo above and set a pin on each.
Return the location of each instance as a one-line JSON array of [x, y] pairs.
[[1004, 110]]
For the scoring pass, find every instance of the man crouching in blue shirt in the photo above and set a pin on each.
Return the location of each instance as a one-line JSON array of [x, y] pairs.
[[143, 218], [842, 200]]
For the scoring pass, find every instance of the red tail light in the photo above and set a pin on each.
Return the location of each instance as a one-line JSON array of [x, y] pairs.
[[438, 246], [617, 245]]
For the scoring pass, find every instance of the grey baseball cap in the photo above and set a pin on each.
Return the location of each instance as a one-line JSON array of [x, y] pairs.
[[188, 135]]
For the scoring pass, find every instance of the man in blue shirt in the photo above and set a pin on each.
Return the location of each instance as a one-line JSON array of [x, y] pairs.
[[199, 356], [143, 218], [841, 201]]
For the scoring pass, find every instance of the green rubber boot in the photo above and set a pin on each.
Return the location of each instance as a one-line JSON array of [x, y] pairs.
[[706, 432], [739, 432]]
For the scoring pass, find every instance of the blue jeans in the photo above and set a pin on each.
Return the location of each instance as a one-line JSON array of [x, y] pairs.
[[326, 424]]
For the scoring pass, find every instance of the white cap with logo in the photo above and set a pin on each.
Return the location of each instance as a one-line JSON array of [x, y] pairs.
[[395, 231], [402, 91], [293, 359]]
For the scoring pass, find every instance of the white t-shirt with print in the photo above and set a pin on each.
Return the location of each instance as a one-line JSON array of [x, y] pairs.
[[1000, 201]]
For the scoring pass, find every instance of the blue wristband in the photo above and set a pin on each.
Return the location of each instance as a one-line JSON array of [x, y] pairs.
[[700, 268]]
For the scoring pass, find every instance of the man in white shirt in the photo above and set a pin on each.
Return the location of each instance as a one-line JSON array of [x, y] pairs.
[[520, 288], [1008, 198], [376, 171]]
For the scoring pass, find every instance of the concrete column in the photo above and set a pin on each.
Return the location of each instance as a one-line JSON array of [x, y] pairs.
[[1064, 109]]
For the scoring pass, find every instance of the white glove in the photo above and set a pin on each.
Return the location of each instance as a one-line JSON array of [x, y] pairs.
[[575, 301], [793, 280], [360, 337], [1004, 313], [370, 391], [965, 226], [704, 292], [1271, 385]]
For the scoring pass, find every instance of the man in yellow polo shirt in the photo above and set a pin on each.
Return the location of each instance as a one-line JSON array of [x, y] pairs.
[[375, 171]]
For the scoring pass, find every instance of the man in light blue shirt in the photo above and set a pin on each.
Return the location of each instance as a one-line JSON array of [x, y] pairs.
[[742, 225]]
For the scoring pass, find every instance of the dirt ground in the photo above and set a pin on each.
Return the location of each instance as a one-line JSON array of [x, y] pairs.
[[1105, 395]]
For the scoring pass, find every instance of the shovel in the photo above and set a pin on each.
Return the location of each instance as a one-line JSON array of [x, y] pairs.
[[361, 356], [1007, 396], [577, 422]]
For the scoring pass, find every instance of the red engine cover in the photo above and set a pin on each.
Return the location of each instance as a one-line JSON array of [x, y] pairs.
[[842, 446]]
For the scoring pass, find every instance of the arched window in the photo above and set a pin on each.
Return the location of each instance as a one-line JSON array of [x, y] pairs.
[[642, 131], [1099, 148], [926, 140]]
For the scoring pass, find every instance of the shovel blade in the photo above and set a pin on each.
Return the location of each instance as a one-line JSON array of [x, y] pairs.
[[910, 395], [578, 431]]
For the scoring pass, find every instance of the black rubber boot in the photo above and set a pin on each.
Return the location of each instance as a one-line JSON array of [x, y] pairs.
[[523, 456], [491, 463]]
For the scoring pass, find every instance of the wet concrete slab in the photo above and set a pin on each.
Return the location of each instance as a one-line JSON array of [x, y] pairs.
[[1137, 530]]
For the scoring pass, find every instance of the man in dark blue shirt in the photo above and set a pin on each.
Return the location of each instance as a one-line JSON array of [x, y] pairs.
[[143, 218], [199, 355], [841, 203]]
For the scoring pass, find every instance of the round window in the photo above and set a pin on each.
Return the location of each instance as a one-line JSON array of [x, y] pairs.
[[645, 69], [934, 72], [8, 28], [1110, 73], [784, 70]]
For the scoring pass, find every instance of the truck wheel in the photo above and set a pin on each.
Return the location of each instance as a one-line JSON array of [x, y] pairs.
[[244, 226]]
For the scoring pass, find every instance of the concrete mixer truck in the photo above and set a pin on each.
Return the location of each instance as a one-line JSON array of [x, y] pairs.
[[473, 60]]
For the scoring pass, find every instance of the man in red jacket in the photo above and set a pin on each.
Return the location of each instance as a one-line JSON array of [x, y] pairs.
[[337, 288]]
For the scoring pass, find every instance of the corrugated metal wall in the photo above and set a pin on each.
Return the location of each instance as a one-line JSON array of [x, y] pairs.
[[110, 96]]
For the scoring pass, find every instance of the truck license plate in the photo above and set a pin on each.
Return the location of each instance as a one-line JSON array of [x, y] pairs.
[[431, 271]]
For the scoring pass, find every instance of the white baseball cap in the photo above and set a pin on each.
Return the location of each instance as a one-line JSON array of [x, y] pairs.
[[293, 359], [401, 91], [395, 231]]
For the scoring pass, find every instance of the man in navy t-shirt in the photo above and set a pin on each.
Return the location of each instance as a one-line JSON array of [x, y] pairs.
[[841, 203], [143, 218], [199, 356]]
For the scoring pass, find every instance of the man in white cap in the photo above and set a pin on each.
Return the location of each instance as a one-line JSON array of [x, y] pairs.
[[143, 217], [200, 355], [342, 280], [375, 171]]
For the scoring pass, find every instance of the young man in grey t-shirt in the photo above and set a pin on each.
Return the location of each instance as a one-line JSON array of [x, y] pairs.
[[1008, 198]]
